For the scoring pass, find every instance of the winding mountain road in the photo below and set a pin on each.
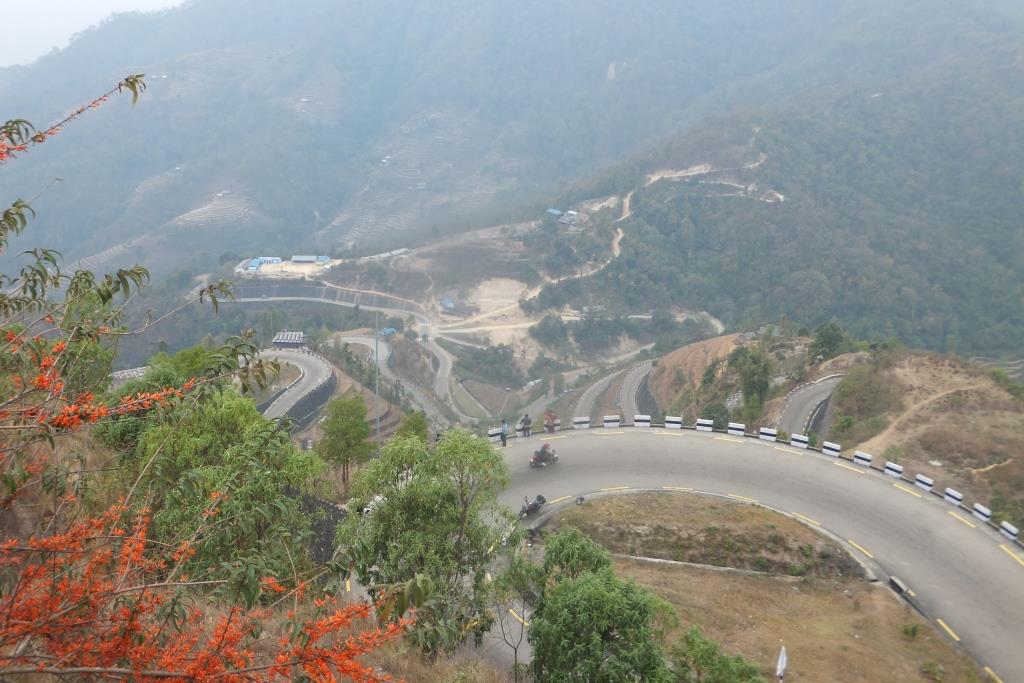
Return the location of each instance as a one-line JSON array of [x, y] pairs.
[[585, 404], [630, 387], [423, 401], [315, 370], [961, 572], [803, 401], [442, 379]]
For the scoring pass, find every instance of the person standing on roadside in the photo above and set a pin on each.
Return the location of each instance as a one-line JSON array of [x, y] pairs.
[[504, 433], [527, 424]]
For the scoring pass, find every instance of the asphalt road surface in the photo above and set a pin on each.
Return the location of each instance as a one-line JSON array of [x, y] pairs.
[[585, 406], [442, 380], [962, 572], [801, 404], [630, 386], [314, 371], [419, 398]]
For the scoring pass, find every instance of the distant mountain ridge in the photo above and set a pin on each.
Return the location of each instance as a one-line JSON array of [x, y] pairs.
[[479, 109], [897, 209]]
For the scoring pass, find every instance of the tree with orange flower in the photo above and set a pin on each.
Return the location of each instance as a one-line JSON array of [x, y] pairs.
[[96, 596]]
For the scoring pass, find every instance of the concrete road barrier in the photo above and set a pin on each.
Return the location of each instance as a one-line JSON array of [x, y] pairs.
[[737, 429], [673, 422], [953, 496], [862, 458], [799, 440], [923, 482], [1009, 530], [612, 421], [494, 434], [641, 420], [581, 423], [833, 449], [766, 434], [704, 424], [894, 470], [981, 512]]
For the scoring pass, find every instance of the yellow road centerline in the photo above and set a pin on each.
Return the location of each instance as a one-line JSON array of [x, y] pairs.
[[806, 519], [787, 450], [729, 438], [992, 675], [743, 498], [903, 488], [555, 438], [1012, 554], [518, 618], [847, 467], [675, 488], [601, 432], [558, 500], [965, 521], [947, 629], [665, 433], [616, 488], [860, 548]]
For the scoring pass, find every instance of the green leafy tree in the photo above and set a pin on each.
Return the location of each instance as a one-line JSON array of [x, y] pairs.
[[697, 659], [435, 513], [415, 424], [755, 369], [569, 553], [217, 460], [597, 628], [512, 595], [829, 342], [551, 331], [717, 413], [346, 434]]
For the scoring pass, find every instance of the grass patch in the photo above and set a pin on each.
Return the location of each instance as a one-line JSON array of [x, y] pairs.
[[841, 631], [705, 530]]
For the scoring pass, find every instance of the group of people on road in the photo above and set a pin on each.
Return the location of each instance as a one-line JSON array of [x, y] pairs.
[[526, 425]]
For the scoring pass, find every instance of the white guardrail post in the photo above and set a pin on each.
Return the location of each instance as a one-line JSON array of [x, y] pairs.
[[923, 482], [894, 470], [953, 496], [981, 512]]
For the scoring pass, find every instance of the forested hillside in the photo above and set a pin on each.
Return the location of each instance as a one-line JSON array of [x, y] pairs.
[[342, 123], [895, 208]]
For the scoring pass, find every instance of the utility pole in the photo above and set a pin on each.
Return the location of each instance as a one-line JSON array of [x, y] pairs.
[[376, 362]]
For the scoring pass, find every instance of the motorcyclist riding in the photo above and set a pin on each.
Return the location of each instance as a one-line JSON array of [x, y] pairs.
[[544, 457]]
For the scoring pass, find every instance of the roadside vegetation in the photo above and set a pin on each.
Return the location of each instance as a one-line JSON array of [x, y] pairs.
[[857, 631]]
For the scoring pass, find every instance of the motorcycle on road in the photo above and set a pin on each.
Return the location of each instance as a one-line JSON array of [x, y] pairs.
[[544, 457], [531, 507]]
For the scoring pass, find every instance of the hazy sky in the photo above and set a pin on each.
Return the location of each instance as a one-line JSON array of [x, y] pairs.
[[33, 27]]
